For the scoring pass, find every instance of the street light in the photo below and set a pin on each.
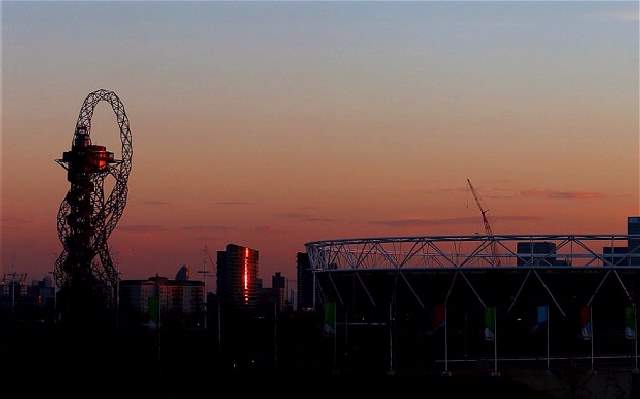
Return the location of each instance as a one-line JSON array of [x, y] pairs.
[[117, 296], [55, 297], [205, 273]]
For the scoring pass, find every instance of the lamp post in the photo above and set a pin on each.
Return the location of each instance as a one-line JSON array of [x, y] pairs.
[[13, 292], [55, 297], [157, 294], [117, 298], [205, 274]]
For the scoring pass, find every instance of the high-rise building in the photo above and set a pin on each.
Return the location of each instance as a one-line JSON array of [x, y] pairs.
[[237, 277], [305, 282], [633, 228], [625, 256], [279, 285]]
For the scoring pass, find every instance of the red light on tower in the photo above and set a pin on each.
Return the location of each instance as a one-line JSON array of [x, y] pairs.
[[85, 159]]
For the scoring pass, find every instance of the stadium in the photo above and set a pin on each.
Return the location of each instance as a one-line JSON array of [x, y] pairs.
[[486, 302]]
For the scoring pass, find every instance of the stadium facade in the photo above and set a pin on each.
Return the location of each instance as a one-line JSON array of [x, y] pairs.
[[448, 302]]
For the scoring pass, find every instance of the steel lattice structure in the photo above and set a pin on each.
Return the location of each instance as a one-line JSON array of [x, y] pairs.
[[460, 254], [455, 252], [87, 216], [388, 287]]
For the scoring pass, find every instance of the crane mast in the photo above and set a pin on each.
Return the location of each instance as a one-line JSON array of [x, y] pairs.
[[495, 260]]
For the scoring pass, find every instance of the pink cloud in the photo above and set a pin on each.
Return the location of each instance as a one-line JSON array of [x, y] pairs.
[[563, 195]]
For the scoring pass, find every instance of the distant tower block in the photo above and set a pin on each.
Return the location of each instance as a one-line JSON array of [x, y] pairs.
[[633, 229], [238, 282], [84, 270]]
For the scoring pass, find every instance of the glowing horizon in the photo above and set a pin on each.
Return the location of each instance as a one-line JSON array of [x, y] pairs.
[[275, 124]]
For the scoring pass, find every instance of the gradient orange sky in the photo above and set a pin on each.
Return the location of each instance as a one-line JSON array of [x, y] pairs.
[[273, 124]]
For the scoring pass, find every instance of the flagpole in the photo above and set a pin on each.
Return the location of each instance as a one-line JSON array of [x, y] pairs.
[[593, 337], [495, 342], [391, 372], [346, 334], [635, 340], [219, 299], [335, 338], [313, 300], [275, 334], [158, 317], [446, 348], [548, 335]]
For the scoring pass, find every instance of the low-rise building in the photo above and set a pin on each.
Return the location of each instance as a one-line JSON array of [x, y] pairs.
[[180, 301]]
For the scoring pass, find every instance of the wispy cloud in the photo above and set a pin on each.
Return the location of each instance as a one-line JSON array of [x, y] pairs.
[[142, 228], [207, 227], [516, 218], [445, 190], [206, 238], [630, 14], [453, 190], [499, 196], [485, 192], [234, 203], [563, 195], [417, 222], [155, 203], [268, 230], [11, 221], [304, 217]]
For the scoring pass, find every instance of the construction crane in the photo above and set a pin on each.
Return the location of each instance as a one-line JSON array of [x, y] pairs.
[[495, 260]]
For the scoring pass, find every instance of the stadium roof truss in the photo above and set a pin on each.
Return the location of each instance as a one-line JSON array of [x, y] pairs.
[[459, 254]]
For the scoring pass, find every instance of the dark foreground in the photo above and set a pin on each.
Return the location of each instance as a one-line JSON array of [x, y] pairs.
[[49, 360]]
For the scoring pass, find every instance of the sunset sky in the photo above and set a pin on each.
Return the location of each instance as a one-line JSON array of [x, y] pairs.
[[273, 124]]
